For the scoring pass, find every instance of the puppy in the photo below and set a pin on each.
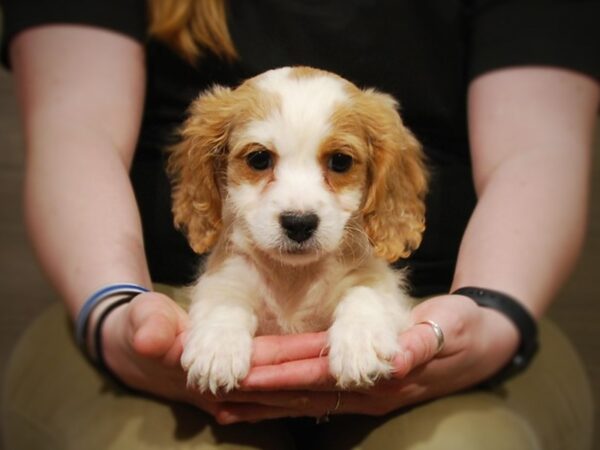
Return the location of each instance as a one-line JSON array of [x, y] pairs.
[[303, 187]]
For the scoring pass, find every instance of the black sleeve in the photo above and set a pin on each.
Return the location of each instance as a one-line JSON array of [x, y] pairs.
[[123, 16], [562, 33]]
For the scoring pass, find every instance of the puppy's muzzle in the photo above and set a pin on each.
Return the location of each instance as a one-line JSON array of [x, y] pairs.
[[299, 226]]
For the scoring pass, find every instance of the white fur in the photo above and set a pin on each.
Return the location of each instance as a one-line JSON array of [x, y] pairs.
[[259, 288], [295, 130], [219, 343]]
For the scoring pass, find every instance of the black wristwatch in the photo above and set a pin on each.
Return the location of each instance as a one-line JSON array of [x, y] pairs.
[[522, 319]]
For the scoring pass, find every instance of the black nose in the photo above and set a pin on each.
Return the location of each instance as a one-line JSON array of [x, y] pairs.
[[299, 226]]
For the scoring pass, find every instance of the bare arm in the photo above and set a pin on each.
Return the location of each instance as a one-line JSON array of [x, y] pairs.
[[81, 92], [531, 133]]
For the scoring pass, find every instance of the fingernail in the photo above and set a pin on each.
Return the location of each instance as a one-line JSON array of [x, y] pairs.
[[403, 363]]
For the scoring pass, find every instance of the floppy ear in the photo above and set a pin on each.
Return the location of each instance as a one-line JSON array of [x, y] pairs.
[[394, 208], [197, 167]]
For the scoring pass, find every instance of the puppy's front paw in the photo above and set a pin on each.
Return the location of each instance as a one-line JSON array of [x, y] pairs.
[[359, 355], [216, 359]]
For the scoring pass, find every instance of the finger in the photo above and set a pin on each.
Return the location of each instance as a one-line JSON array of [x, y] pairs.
[[281, 399], [226, 415], [154, 302], [171, 309], [172, 357], [252, 407], [270, 350], [419, 344], [155, 337], [311, 374], [155, 324]]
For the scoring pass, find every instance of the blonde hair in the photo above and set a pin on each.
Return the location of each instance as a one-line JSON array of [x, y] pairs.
[[192, 27]]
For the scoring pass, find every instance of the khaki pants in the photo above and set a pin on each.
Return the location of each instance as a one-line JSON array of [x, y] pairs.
[[54, 399]]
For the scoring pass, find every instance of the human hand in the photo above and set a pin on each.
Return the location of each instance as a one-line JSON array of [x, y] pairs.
[[143, 342], [290, 374]]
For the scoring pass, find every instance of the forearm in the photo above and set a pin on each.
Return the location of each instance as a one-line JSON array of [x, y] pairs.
[[82, 218], [81, 94], [526, 232], [531, 136]]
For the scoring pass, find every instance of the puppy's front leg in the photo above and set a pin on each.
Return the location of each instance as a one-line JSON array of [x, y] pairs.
[[363, 339], [218, 347]]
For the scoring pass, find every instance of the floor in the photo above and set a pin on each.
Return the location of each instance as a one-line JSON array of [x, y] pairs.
[[25, 291]]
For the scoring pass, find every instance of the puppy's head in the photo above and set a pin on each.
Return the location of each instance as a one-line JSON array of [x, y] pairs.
[[295, 161]]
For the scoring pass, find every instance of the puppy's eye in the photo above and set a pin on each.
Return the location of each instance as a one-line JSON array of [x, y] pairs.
[[260, 160], [340, 162]]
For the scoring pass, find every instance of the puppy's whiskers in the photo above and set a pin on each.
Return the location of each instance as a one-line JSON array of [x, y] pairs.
[[356, 242]]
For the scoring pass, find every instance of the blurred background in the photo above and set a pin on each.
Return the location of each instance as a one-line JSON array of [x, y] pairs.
[[25, 292]]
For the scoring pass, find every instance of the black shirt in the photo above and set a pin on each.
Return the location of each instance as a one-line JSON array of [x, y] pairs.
[[424, 53]]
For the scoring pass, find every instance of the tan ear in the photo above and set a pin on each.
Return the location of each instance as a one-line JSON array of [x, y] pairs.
[[197, 167], [394, 208]]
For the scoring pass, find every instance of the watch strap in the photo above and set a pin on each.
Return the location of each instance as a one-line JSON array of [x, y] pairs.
[[520, 317]]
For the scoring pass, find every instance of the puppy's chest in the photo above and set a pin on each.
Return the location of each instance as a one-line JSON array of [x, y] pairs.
[[288, 309]]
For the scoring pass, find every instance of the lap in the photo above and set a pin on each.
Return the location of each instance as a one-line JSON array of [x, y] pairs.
[[54, 399]]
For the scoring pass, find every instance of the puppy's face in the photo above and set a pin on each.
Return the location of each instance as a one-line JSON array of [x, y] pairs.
[[294, 176], [292, 162]]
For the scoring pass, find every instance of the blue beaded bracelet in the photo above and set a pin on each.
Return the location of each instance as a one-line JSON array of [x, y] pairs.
[[83, 318]]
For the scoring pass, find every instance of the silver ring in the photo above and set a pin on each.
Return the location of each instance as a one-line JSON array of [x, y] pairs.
[[325, 417], [439, 334]]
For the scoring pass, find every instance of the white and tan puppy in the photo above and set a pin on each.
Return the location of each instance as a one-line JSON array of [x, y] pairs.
[[303, 187]]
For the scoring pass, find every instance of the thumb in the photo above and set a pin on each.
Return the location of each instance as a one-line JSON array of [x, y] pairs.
[[418, 345], [155, 325]]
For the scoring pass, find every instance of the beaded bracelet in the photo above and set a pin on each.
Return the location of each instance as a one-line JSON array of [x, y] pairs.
[[97, 335], [83, 318]]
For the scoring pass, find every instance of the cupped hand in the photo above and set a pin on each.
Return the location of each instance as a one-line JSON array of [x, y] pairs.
[[143, 342], [290, 374]]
